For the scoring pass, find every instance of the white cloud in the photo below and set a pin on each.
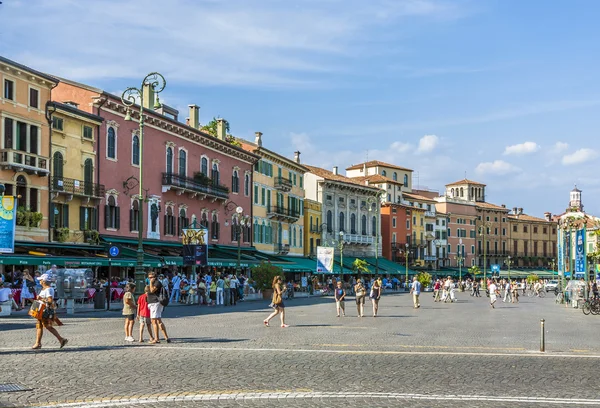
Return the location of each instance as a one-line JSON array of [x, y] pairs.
[[497, 167], [427, 143], [401, 147], [579, 156], [560, 147], [522, 148]]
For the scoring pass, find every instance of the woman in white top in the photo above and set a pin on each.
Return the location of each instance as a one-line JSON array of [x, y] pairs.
[[48, 317], [27, 287]]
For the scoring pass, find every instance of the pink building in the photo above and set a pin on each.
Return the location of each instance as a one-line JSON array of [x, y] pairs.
[[188, 175]]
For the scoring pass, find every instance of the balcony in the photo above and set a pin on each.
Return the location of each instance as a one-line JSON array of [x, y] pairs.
[[18, 160], [282, 249], [283, 184], [194, 187], [72, 187], [430, 258], [429, 213], [279, 212], [356, 239], [493, 253], [315, 229]]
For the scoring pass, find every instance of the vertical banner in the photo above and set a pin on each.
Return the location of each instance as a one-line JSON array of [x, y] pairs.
[[580, 251], [325, 259], [560, 247], [568, 254], [195, 246], [8, 222]]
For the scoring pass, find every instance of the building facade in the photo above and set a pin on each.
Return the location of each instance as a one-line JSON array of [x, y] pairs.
[[492, 234], [532, 240], [25, 146], [313, 226], [394, 180], [278, 206], [396, 231]]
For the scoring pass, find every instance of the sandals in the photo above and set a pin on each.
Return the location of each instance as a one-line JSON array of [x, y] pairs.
[[63, 343], [266, 322], [39, 346], [285, 325], [154, 342]]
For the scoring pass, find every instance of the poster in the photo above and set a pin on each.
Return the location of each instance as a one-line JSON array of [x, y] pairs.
[[580, 251], [195, 246], [304, 281], [8, 222], [560, 251], [325, 260]]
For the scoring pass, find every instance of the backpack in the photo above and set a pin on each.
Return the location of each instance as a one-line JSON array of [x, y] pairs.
[[163, 297]]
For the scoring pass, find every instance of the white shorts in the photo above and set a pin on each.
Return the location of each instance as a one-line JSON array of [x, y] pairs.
[[155, 310], [492, 298]]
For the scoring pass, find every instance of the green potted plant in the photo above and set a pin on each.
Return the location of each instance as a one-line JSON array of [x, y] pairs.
[[263, 275], [360, 266], [92, 237], [533, 278], [424, 278], [62, 234]]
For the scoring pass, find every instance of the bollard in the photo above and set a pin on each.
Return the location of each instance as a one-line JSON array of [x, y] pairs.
[[542, 336]]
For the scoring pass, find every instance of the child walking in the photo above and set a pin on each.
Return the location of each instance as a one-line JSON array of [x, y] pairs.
[[129, 311], [340, 295], [143, 313]]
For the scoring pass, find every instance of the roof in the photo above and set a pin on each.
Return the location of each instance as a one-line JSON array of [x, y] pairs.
[[328, 175], [76, 111], [465, 181], [417, 197], [490, 206], [376, 178], [31, 70], [576, 190], [525, 217], [375, 163], [254, 148]]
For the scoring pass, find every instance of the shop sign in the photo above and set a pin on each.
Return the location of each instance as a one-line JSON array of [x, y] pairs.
[[8, 222]]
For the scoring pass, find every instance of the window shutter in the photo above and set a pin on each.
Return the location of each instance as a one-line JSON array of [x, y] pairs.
[[65, 216], [117, 217], [179, 226], [165, 222], [82, 219], [51, 216], [94, 218], [8, 133], [131, 219]]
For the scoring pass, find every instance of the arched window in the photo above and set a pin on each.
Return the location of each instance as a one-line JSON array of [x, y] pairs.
[[204, 166], [472, 192], [452, 192], [182, 163], [263, 232], [395, 176], [247, 185], [112, 217], [134, 216], [353, 224], [300, 239], [204, 220], [154, 217], [22, 187], [215, 174], [383, 173], [342, 221], [135, 150], [182, 222], [111, 144], [88, 178], [374, 226], [235, 182], [169, 160], [169, 222], [329, 221], [311, 222], [215, 227], [406, 180], [461, 192], [363, 225]]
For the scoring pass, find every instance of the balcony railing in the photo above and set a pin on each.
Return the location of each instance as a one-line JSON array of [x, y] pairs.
[[23, 161], [359, 239], [493, 253], [195, 187], [283, 248], [280, 212], [429, 214], [315, 229], [76, 187], [281, 183]]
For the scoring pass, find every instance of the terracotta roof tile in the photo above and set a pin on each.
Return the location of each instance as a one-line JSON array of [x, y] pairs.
[[466, 181], [375, 163], [376, 178], [417, 197], [490, 206], [328, 175], [525, 217]]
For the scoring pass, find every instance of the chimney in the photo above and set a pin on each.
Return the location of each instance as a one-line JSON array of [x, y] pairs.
[[503, 205], [297, 157], [520, 211], [187, 121], [548, 216], [335, 170], [514, 211], [221, 129], [365, 169], [148, 101], [258, 138], [194, 116]]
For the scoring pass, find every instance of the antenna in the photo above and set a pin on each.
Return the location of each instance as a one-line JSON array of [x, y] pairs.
[[465, 174], [366, 161]]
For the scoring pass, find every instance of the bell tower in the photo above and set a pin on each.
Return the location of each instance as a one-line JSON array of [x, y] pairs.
[[575, 200]]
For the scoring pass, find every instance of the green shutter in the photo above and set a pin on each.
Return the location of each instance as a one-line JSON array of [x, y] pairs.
[[255, 194], [301, 181], [82, 219]]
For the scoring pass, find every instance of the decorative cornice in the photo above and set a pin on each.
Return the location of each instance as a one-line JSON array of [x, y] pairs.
[[216, 161], [112, 123], [169, 203], [112, 191], [136, 132], [236, 168], [169, 143], [183, 206]]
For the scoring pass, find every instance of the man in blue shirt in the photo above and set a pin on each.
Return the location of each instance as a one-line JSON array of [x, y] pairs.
[[416, 291]]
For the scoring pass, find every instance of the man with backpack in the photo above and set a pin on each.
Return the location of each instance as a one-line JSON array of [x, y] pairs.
[[157, 299]]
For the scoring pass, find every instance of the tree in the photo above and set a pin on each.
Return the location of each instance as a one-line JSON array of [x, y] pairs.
[[264, 273], [211, 129], [360, 266], [474, 270], [424, 278]]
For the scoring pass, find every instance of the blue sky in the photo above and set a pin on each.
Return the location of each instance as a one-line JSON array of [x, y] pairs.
[[504, 91]]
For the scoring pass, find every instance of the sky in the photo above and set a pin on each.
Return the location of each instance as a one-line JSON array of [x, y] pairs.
[[504, 92]]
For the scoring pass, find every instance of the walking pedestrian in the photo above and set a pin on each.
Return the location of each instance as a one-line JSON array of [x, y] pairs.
[[493, 289], [507, 292], [129, 309], [156, 308], [143, 314], [27, 288], [361, 293], [515, 292], [436, 290], [48, 319], [277, 303], [213, 293], [416, 291], [226, 290], [233, 288], [340, 295], [220, 287], [176, 292], [375, 295]]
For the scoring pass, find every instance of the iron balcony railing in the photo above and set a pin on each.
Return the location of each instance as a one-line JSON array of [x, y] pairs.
[[282, 183], [193, 185], [281, 211], [28, 162], [359, 239], [77, 187]]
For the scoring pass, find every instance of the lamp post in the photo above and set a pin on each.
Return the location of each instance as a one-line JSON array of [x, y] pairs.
[[377, 201], [553, 266], [341, 246], [508, 263], [239, 221], [406, 252], [483, 233], [153, 83], [437, 245], [459, 261]]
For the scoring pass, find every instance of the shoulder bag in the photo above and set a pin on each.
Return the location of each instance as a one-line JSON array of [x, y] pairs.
[[37, 309]]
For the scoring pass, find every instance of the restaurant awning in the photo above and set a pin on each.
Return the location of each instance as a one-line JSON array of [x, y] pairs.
[[73, 262]]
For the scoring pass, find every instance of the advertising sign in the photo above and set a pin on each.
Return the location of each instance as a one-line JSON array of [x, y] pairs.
[[195, 246], [580, 251], [495, 268], [8, 222], [325, 259], [560, 250], [304, 281]]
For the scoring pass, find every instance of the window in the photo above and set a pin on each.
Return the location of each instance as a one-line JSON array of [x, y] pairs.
[[329, 221], [553, 231], [535, 230], [524, 228], [216, 179], [247, 184], [384, 173], [57, 123], [255, 194], [462, 192], [329, 197], [342, 222], [263, 194], [363, 225], [487, 218], [112, 217], [61, 215], [182, 222], [353, 223], [407, 224], [514, 228], [88, 218], [111, 144], [182, 163], [204, 166], [395, 176], [135, 150], [215, 227], [204, 220], [295, 180], [34, 98], [301, 181], [88, 132], [235, 182], [495, 231], [134, 214], [300, 237], [406, 180], [9, 89], [374, 225], [504, 231], [341, 200], [169, 220], [544, 230], [169, 160], [473, 249]]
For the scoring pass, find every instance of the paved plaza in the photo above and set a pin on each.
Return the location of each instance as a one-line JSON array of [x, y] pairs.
[[459, 355]]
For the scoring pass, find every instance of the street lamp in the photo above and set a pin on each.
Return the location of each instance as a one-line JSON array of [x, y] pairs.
[[508, 263], [483, 233], [377, 201], [553, 265], [406, 253], [437, 245], [459, 261], [340, 245], [153, 83], [239, 221]]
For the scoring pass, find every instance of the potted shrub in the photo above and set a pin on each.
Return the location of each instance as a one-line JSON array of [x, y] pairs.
[[263, 275], [62, 234], [425, 279]]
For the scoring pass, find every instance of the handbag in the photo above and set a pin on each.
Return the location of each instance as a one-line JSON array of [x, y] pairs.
[[37, 309], [276, 298], [48, 313]]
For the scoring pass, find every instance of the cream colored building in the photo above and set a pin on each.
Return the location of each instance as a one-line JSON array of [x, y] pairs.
[[394, 180], [313, 223]]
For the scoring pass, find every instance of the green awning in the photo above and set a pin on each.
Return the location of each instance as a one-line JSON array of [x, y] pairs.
[[134, 242], [71, 262], [58, 245], [303, 264]]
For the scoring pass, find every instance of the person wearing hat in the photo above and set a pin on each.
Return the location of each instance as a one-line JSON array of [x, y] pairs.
[[49, 315]]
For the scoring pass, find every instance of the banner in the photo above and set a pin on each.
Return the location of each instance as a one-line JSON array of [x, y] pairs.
[[8, 222], [195, 246], [580, 251], [325, 259], [560, 247]]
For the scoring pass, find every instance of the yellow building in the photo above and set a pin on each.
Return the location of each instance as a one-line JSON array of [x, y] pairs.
[[313, 223], [532, 240], [278, 201], [24, 146], [75, 194]]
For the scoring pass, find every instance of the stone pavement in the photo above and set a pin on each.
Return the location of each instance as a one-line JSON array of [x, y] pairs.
[[459, 355]]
